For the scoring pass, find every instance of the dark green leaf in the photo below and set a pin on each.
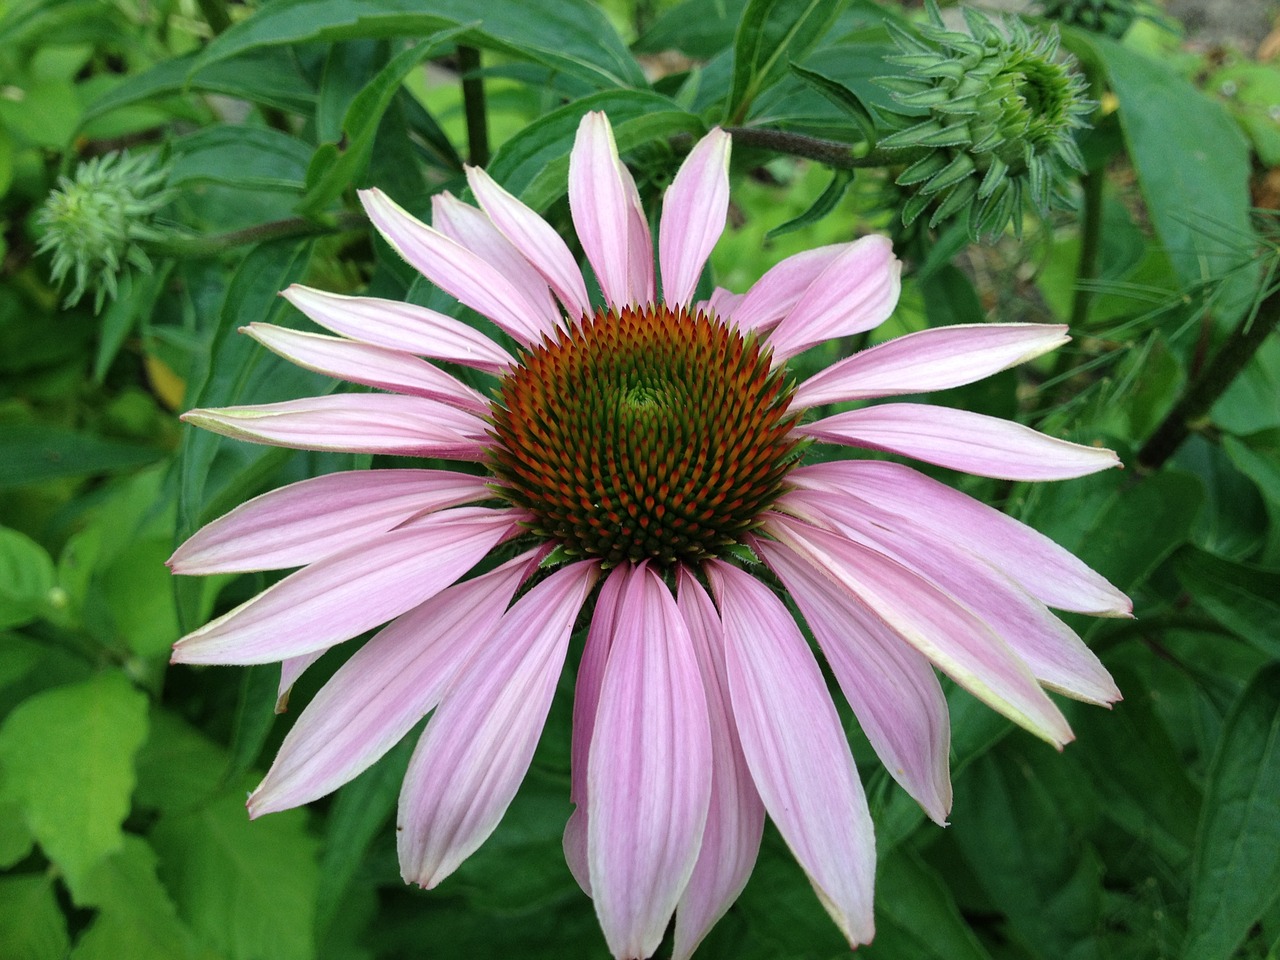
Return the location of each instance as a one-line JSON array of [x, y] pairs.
[[826, 202], [770, 35], [842, 96], [1237, 873], [245, 157], [917, 917], [569, 35], [1243, 598], [255, 715], [31, 925], [34, 454], [139, 293], [699, 28]]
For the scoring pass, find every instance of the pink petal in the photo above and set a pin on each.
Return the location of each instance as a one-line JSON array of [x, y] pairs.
[[649, 770], [735, 815], [391, 682], [353, 423], [892, 688], [535, 239], [586, 701], [290, 671], [343, 595], [312, 519], [961, 440], [856, 292], [930, 360], [693, 216], [796, 748], [608, 216], [364, 363], [465, 276], [470, 227], [1049, 573], [947, 633], [401, 326], [723, 303], [775, 294], [477, 747], [1056, 656]]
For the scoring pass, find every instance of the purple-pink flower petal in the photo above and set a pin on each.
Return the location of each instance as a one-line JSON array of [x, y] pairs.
[[387, 686], [477, 747], [401, 326], [649, 772], [693, 217], [336, 598], [775, 294], [962, 440], [930, 360], [290, 670], [796, 749], [735, 815], [353, 423], [892, 688]]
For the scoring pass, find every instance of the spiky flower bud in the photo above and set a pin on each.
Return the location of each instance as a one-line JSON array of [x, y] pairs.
[[1111, 17], [96, 221], [990, 118]]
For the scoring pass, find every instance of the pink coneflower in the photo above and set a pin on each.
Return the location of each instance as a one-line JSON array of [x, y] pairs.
[[645, 453]]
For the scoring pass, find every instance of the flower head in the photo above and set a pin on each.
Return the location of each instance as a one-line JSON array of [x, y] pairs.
[[1000, 114], [640, 458], [96, 222]]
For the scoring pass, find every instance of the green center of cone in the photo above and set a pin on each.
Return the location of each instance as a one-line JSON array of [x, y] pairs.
[[644, 433]]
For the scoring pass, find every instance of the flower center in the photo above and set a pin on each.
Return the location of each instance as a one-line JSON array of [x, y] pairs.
[[644, 433]]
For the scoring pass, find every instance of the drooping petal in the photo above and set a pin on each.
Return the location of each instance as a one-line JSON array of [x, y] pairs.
[[693, 216], [1056, 656], [962, 440], [735, 815], [607, 215], [947, 633], [535, 239], [353, 423], [649, 772], [892, 688], [1049, 573], [586, 701], [367, 364], [775, 294], [930, 360], [387, 686], [470, 227], [290, 671], [465, 276], [336, 598], [796, 749], [312, 519], [401, 326], [478, 745], [857, 292]]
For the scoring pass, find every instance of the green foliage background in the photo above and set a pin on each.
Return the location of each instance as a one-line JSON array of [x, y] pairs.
[[122, 827]]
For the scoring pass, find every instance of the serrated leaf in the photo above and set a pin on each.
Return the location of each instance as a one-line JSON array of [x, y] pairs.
[[770, 34], [1243, 598], [31, 925], [568, 35], [246, 888], [67, 756], [534, 164], [1236, 875], [178, 767], [26, 577]]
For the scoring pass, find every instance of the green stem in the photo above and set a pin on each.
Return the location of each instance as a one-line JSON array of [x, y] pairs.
[[1191, 412], [197, 248], [830, 152], [215, 14], [474, 106], [1090, 237]]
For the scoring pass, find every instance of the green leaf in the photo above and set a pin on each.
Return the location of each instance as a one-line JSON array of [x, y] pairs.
[[178, 767], [1252, 402], [248, 158], [770, 34], [16, 841], [568, 35], [247, 889], [139, 293], [699, 28], [826, 202], [68, 754], [1243, 598], [336, 165], [26, 577], [534, 164], [136, 918], [1193, 166], [138, 590], [31, 925], [36, 453], [917, 917], [1236, 875], [1257, 456]]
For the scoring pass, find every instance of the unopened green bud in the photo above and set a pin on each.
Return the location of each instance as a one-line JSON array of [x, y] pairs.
[[96, 222], [989, 119]]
